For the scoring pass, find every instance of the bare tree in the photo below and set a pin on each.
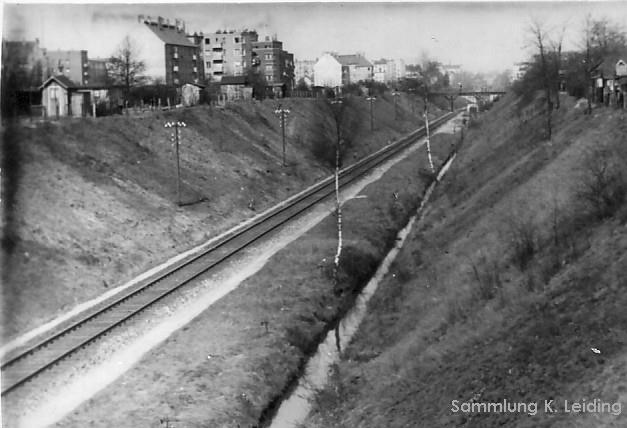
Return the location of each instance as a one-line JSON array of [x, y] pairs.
[[125, 68], [600, 39], [540, 42], [556, 47]]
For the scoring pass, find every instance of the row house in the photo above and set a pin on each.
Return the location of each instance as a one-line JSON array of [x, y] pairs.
[[228, 53]]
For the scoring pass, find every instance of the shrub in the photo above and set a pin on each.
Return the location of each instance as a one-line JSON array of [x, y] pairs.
[[488, 278], [299, 339], [523, 237], [356, 268], [603, 186]]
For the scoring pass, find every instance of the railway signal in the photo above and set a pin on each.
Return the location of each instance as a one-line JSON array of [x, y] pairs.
[[282, 112], [176, 141]]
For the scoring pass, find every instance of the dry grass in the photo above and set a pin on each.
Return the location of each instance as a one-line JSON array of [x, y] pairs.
[[252, 367], [94, 202], [451, 335]]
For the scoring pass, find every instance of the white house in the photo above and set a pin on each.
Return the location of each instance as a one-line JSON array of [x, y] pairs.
[[328, 71]]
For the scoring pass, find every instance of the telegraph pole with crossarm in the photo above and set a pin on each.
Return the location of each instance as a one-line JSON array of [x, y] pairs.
[[175, 139], [282, 112]]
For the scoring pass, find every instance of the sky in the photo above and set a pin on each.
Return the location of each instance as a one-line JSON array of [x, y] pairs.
[[480, 36]]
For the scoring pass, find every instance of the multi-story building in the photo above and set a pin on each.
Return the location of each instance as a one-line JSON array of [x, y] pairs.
[[25, 58], [330, 72], [275, 64], [97, 69], [399, 69], [380, 70], [228, 53], [72, 64], [385, 71], [360, 69], [169, 55], [304, 69]]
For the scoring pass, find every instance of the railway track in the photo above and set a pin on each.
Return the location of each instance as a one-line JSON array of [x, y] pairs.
[[22, 365]]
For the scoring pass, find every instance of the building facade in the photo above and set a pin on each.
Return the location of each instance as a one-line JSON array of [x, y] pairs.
[[275, 64], [228, 53], [72, 64], [304, 69], [359, 68], [329, 72], [170, 55]]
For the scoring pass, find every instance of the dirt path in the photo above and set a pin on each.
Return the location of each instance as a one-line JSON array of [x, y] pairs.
[[116, 355]]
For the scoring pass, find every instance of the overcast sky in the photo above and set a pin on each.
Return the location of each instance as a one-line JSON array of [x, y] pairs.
[[479, 36]]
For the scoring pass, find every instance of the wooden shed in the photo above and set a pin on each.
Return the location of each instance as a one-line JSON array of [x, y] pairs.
[[62, 97]]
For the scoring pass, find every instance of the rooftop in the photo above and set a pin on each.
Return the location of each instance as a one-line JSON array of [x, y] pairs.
[[169, 34], [357, 60]]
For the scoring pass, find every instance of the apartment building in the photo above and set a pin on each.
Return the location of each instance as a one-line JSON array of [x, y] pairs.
[[72, 64], [359, 68], [228, 53], [275, 64], [304, 69], [388, 70], [170, 55]]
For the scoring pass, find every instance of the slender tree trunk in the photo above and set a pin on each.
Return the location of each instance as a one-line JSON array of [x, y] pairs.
[[428, 136], [338, 208]]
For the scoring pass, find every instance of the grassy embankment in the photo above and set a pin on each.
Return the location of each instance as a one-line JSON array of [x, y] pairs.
[[225, 369], [90, 204], [516, 274]]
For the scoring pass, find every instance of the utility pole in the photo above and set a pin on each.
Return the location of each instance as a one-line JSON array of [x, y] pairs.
[[175, 139], [371, 99], [282, 112]]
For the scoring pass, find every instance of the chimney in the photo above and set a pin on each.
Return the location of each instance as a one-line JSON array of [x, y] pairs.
[[161, 22]]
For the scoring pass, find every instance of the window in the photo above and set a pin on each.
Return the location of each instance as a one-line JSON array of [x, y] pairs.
[[207, 41], [208, 65], [176, 81], [175, 68], [194, 57], [195, 70], [269, 67], [269, 77], [237, 40], [268, 56]]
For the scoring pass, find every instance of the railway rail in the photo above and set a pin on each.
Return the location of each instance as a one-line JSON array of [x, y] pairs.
[[22, 365]]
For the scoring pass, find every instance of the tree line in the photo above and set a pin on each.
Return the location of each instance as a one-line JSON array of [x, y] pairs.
[[552, 70]]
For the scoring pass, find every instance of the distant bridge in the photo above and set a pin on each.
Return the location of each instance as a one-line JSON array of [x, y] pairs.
[[479, 95]]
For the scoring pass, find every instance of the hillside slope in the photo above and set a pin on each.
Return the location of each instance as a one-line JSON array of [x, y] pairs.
[[91, 203], [511, 289]]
